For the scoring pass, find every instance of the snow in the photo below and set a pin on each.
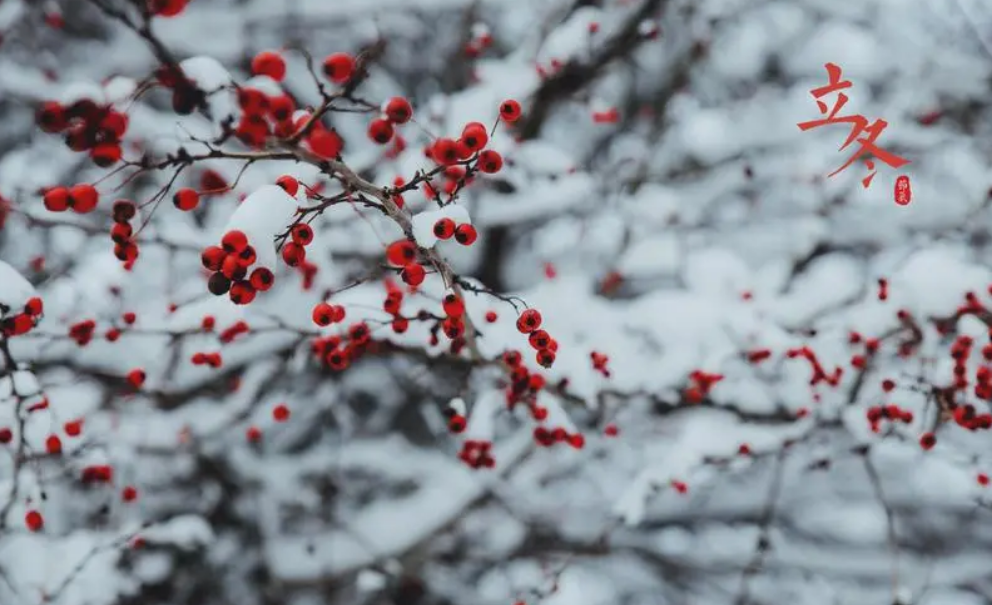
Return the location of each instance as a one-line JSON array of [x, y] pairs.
[[119, 89], [15, 291], [423, 223], [699, 228], [206, 72], [267, 212]]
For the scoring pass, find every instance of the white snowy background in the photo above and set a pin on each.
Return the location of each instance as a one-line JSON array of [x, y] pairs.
[[698, 227]]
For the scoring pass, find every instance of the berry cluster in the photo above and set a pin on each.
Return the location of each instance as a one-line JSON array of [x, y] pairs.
[[113, 333], [263, 116], [88, 127], [403, 253], [448, 152], [702, 383], [213, 360], [476, 454], [860, 362], [529, 323], [877, 413], [82, 198], [599, 361], [453, 325], [393, 305], [82, 332], [294, 253], [819, 374], [465, 234], [524, 385], [122, 233], [324, 314], [548, 437], [97, 473], [338, 352], [230, 263], [23, 322], [229, 334], [395, 111]]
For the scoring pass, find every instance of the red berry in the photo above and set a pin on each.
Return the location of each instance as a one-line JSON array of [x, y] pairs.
[[325, 143], [129, 494], [242, 293], [57, 199], [475, 136], [509, 111], [545, 358], [280, 413], [231, 266], [123, 211], [456, 424], [121, 233], [983, 479], [234, 242], [281, 109], [445, 152], [34, 520], [529, 321], [34, 306], [323, 314], [84, 198], [490, 162], [540, 339], [444, 228], [261, 279], [577, 441], [106, 155], [51, 117], [53, 445], [413, 274], [491, 316], [453, 327], [401, 253], [927, 441], [126, 252], [253, 434], [611, 430], [339, 67], [453, 305], [302, 234], [136, 377], [186, 199], [289, 184], [114, 125], [213, 258], [294, 254], [73, 428], [381, 131], [270, 64], [465, 234], [166, 8], [398, 110]]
